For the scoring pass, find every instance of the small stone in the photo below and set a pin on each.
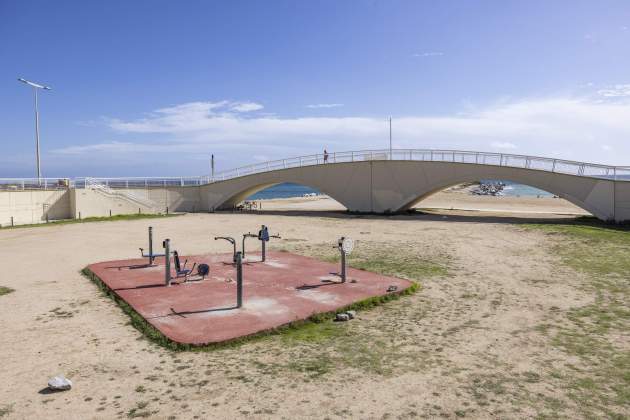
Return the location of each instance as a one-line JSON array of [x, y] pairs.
[[342, 317], [60, 383], [351, 314]]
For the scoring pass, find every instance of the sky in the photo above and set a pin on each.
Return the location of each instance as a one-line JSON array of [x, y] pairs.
[[153, 88]]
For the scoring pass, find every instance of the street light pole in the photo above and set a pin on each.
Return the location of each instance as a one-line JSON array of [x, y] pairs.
[[390, 138], [35, 87]]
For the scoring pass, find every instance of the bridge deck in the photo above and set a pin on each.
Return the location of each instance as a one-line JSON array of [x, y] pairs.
[[284, 289]]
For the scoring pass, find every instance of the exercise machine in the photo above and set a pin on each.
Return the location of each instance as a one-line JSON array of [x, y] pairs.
[[239, 279], [345, 246], [245, 236], [151, 256], [180, 271], [263, 237], [230, 240]]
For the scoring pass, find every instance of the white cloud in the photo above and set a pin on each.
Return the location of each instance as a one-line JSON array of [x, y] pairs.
[[246, 106], [616, 91], [502, 145], [316, 106], [565, 127], [428, 54]]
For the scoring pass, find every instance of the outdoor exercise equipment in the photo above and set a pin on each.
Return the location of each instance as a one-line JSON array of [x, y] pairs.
[[245, 236], [239, 279], [182, 271], [264, 236], [151, 256], [230, 240], [345, 246], [203, 270], [167, 261]]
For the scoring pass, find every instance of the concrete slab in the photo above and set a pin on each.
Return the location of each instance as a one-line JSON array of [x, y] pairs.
[[284, 289]]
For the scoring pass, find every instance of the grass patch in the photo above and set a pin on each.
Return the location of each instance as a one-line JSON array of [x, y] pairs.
[[92, 219], [600, 384], [6, 410], [5, 290]]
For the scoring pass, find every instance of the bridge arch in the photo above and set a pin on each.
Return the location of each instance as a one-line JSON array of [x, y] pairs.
[[443, 186], [389, 186], [250, 190]]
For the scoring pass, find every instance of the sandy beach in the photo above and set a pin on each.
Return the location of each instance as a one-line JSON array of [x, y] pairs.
[[457, 200], [468, 344]]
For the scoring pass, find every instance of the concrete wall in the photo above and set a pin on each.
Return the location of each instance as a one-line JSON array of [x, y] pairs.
[[95, 203], [28, 207]]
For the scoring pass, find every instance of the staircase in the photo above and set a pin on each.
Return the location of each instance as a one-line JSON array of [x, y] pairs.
[[149, 205]]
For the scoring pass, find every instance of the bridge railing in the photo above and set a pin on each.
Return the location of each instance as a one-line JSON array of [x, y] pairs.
[[426, 155], [619, 173]]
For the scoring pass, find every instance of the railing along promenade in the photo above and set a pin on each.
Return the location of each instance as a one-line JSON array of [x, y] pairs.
[[560, 166]]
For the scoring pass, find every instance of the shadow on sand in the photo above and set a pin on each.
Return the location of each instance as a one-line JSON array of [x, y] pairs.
[[453, 216]]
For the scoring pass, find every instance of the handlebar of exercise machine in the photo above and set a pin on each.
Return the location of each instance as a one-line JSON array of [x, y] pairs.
[[230, 240]]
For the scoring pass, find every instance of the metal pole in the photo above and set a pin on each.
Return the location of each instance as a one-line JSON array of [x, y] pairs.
[[390, 138], [167, 262], [39, 172], [239, 280], [343, 265], [212, 165], [151, 258]]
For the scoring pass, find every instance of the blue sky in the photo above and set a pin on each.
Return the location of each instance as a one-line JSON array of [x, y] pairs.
[[153, 88]]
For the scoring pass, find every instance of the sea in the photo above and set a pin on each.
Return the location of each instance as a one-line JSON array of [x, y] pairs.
[[288, 190]]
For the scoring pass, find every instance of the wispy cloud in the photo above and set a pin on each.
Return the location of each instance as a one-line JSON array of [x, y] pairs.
[[428, 54], [502, 145], [317, 106], [246, 106], [616, 91], [565, 127]]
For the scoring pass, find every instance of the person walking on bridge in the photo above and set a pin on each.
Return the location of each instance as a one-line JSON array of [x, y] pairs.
[[325, 156]]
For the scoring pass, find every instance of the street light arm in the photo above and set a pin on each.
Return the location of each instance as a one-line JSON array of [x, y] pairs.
[[33, 84]]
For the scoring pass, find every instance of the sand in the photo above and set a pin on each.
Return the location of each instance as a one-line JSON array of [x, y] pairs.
[[432, 354], [449, 200]]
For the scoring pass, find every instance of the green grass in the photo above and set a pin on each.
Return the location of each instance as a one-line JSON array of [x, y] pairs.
[[5, 290], [601, 254], [6, 410], [92, 219]]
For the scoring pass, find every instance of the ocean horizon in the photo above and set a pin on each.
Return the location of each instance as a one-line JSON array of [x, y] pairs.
[[290, 190]]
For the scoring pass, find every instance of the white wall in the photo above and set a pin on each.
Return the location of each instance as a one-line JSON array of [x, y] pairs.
[[28, 207]]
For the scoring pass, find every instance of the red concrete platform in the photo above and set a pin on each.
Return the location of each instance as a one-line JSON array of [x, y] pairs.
[[284, 289]]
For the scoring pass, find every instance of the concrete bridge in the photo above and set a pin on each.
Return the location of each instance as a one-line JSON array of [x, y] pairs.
[[381, 181], [373, 181]]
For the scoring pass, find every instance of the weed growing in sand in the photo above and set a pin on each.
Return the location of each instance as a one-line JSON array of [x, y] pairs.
[[6, 410], [380, 347], [600, 384], [5, 290]]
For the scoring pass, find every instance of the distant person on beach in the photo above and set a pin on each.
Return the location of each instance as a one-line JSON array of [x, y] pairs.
[[325, 156]]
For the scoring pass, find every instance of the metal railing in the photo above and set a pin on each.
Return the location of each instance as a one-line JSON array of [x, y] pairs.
[[24, 184], [143, 182], [561, 166], [619, 173], [124, 194]]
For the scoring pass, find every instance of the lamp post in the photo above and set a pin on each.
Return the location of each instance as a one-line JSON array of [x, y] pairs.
[[35, 87], [390, 138]]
